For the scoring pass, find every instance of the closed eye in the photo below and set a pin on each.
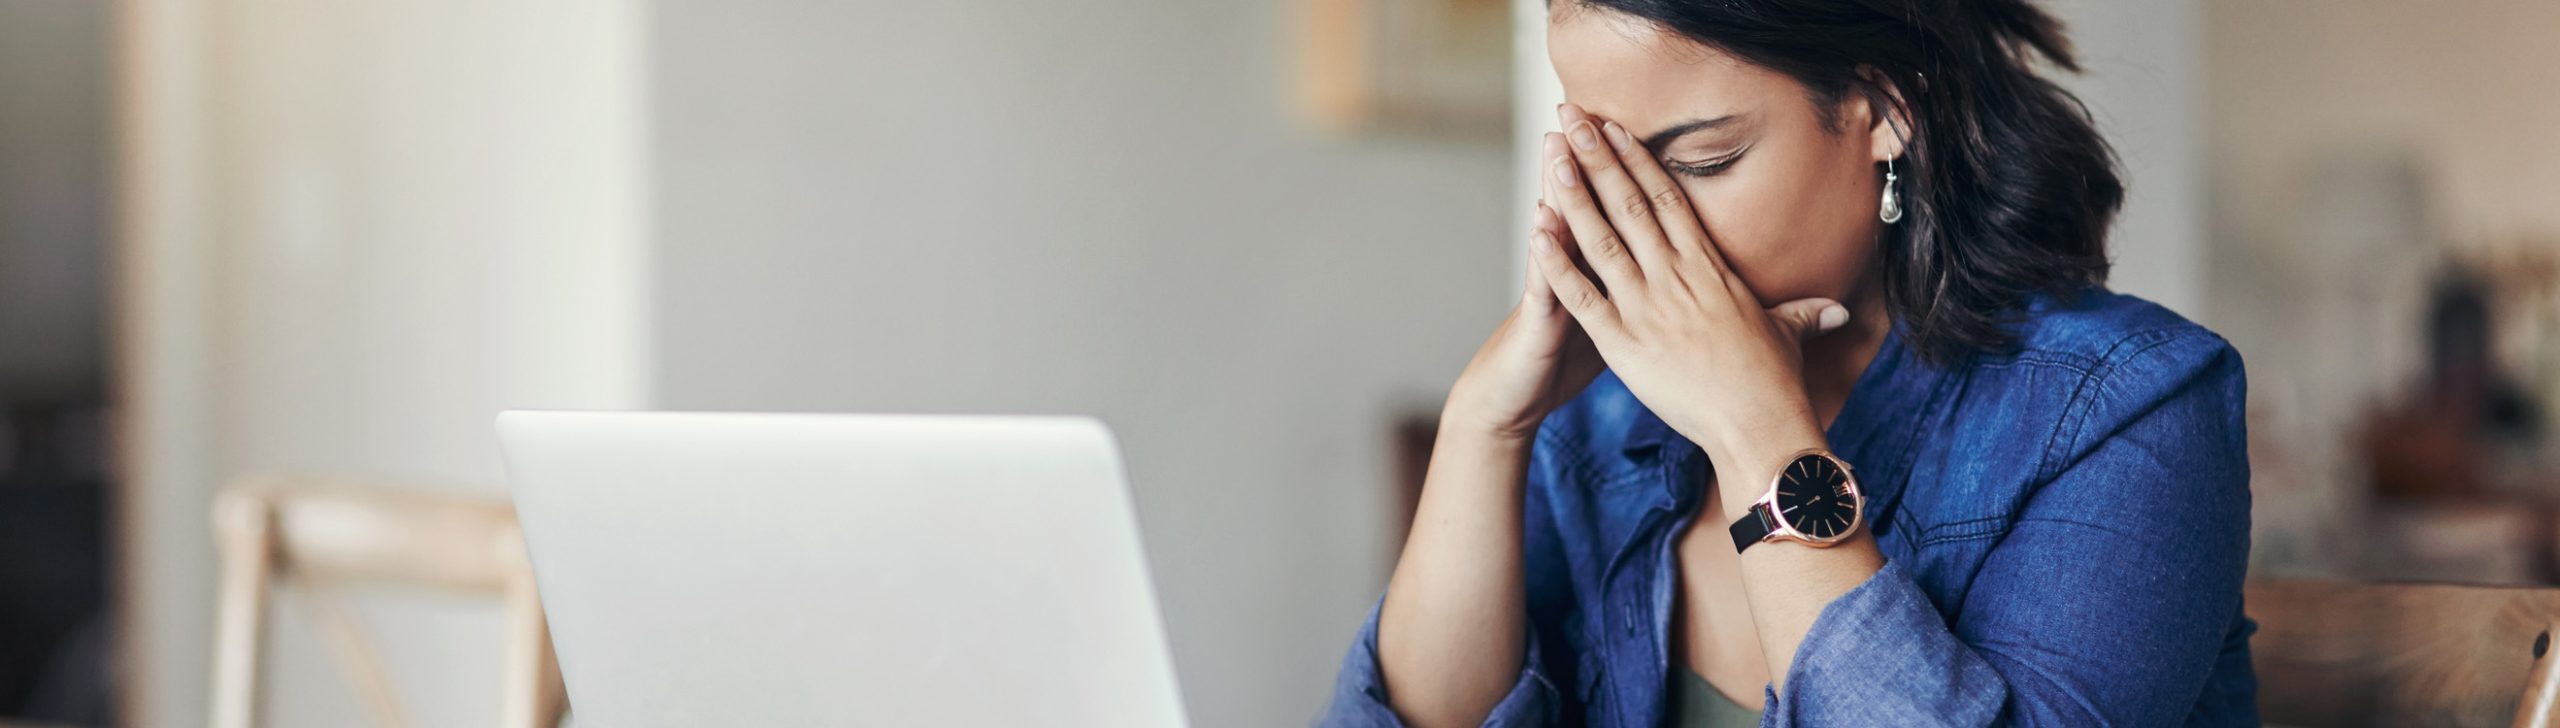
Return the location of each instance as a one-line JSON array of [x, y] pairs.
[[1707, 168]]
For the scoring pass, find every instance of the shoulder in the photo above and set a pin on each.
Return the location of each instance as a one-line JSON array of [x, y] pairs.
[[2110, 409], [2107, 360], [2111, 336]]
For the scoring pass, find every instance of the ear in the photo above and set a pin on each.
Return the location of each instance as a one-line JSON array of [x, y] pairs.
[[1888, 117]]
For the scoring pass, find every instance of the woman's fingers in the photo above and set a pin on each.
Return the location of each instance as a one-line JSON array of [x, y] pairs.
[[1681, 226], [1572, 289], [1536, 297], [1601, 246], [1554, 225], [1804, 318], [1625, 205]]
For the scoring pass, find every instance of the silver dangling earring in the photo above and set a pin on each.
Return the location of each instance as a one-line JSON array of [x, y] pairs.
[[1891, 211]]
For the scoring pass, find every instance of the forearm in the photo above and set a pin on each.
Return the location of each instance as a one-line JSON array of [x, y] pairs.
[[1787, 582], [1452, 629]]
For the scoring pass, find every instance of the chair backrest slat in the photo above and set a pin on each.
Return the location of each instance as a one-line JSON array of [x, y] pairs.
[[326, 531], [346, 531]]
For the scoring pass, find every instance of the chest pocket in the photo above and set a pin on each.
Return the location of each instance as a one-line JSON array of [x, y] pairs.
[[1942, 558], [1957, 501]]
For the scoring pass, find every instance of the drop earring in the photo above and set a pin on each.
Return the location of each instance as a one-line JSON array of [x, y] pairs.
[[1891, 210]]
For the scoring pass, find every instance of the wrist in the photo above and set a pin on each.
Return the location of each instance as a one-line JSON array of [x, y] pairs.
[[1466, 427], [1486, 418], [1756, 459]]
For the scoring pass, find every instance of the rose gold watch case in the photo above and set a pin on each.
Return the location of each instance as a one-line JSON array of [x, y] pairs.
[[1784, 530]]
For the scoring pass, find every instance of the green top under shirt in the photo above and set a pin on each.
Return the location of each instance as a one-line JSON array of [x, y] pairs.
[[1696, 704]]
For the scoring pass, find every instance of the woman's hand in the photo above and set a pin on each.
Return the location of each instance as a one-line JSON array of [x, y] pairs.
[[1666, 312], [1537, 360]]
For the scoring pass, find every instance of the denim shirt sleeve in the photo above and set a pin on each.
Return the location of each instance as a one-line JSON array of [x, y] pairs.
[[1537, 697], [2107, 600]]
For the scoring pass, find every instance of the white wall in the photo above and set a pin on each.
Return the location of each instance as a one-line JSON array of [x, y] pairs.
[[352, 233], [1084, 207], [2144, 82]]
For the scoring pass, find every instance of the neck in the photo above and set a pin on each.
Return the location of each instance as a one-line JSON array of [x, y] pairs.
[[1833, 362]]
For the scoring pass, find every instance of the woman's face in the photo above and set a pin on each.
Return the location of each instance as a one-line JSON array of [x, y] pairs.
[[1791, 202]]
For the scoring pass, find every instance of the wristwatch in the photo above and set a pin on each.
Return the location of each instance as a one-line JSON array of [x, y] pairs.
[[1814, 500]]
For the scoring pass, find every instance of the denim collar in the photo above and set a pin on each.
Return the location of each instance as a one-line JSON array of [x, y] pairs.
[[1886, 413]]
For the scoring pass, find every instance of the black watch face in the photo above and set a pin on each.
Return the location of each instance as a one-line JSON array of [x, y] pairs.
[[1815, 498]]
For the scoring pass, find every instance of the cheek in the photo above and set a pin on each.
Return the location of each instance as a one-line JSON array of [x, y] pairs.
[[1789, 236]]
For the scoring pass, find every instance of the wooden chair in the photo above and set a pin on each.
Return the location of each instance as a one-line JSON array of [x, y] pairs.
[[2344, 654], [318, 533]]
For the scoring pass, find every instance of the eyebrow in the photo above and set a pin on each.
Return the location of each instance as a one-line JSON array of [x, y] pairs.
[[1666, 136]]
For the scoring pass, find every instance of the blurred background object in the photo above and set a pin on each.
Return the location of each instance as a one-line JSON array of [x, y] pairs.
[[312, 536], [1257, 238], [1436, 67], [54, 483], [2382, 253]]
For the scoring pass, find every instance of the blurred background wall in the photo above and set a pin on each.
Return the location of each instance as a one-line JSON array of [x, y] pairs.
[[353, 232], [2144, 75]]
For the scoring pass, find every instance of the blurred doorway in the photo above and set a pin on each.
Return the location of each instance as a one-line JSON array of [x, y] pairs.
[[53, 475]]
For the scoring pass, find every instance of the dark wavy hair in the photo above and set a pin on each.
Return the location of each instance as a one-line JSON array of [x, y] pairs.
[[2007, 187]]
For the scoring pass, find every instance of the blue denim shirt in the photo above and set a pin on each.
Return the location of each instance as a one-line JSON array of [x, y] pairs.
[[2065, 529]]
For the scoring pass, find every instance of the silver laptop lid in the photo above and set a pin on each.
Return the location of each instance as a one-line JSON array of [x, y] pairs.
[[892, 570]]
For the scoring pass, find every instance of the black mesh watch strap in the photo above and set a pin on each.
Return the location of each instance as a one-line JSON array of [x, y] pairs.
[[1753, 527]]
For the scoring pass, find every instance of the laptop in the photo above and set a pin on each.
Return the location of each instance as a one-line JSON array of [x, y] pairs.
[[840, 570]]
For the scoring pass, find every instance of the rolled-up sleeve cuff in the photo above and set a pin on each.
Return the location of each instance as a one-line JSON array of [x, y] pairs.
[[1360, 690], [1882, 655]]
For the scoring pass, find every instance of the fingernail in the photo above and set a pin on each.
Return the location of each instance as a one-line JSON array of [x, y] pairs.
[[1831, 318], [1618, 137], [1542, 242], [1564, 172], [1583, 139]]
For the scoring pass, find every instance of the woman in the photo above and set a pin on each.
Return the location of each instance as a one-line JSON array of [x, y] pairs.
[[1815, 410]]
